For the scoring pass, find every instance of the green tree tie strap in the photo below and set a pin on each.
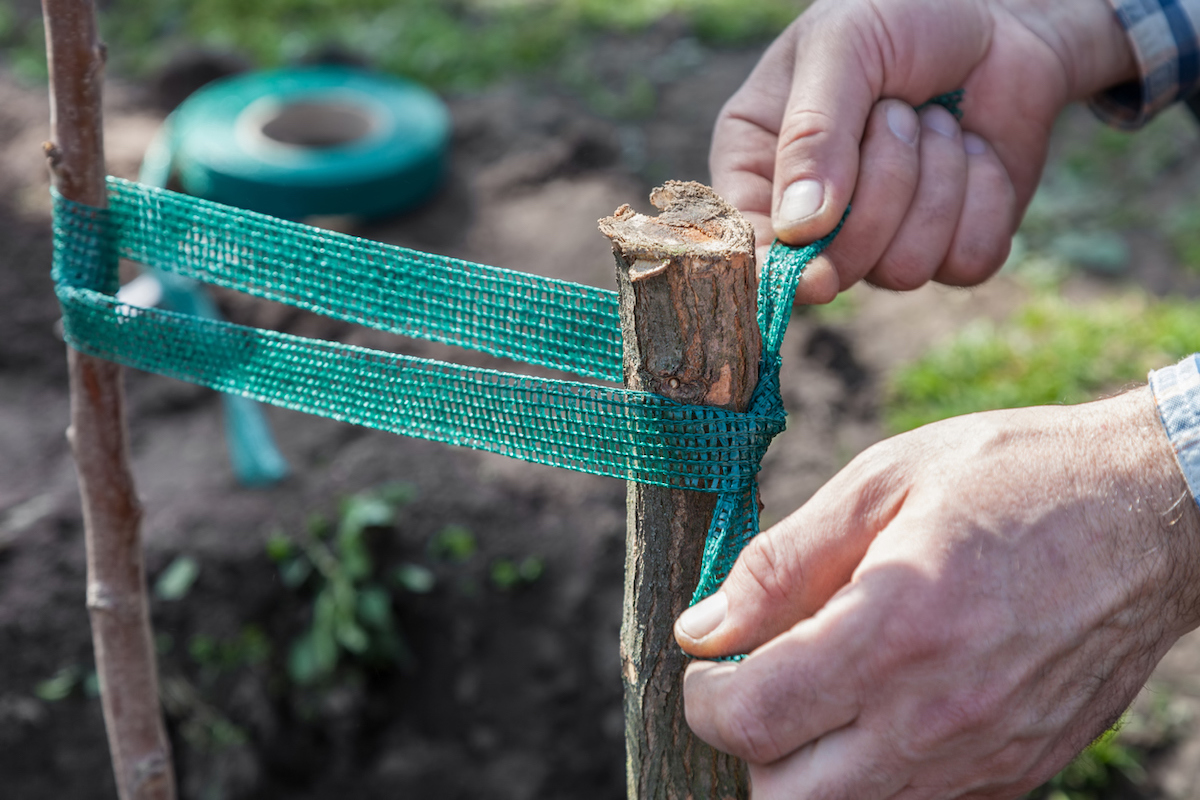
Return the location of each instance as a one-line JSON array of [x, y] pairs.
[[586, 427]]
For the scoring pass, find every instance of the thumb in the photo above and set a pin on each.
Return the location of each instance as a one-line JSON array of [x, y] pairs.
[[787, 573]]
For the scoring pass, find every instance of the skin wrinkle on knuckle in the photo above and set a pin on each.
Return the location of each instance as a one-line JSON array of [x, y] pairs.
[[741, 724], [902, 273], [973, 261], [886, 50], [769, 572], [803, 127]]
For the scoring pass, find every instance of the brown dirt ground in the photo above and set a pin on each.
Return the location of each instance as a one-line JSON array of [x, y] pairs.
[[514, 694]]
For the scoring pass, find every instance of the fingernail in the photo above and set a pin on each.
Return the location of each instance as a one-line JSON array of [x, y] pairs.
[[974, 145], [940, 120], [903, 122], [800, 201], [703, 618]]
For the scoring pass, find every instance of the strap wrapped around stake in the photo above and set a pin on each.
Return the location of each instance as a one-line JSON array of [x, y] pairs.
[[585, 427]]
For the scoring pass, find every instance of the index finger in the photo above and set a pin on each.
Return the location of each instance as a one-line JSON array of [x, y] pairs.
[[742, 155]]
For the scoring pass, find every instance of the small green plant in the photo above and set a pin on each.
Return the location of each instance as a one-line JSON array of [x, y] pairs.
[[177, 579], [60, 685], [351, 609], [250, 647], [65, 681], [1050, 352], [415, 578], [203, 726], [508, 575], [453, 543]]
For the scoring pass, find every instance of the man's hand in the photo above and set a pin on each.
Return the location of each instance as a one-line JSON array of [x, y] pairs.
[[957, 613], [826, 117]]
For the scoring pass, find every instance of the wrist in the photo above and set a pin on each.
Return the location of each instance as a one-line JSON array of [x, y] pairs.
[[1160, 509], [1088, 38]]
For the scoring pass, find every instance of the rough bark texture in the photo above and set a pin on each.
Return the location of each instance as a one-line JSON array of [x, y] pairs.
[[116, 594], [688, 318]]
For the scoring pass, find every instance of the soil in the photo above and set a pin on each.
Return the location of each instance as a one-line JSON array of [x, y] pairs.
[[510, 692]]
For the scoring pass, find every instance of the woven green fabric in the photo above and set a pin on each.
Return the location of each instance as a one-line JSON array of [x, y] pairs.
[[586, 427], [590, 428]]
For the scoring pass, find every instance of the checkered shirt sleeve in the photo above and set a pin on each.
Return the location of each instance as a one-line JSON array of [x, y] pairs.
[[1163, 34], [1177, 394]]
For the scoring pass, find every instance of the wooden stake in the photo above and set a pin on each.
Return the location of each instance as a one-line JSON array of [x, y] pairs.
[[116, 591], [689, 292]]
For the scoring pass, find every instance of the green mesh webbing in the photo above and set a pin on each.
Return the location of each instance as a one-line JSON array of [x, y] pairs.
[[586, 427]]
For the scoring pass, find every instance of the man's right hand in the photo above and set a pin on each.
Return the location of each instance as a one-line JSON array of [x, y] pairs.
[[826, 118], [957, 612]]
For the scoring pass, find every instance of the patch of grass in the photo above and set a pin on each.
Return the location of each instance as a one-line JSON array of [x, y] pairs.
[[1183, 232], [1099, 183], [448, 44], [1050, 352]]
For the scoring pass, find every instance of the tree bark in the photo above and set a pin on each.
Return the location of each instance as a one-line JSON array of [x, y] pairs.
[[116, 590], [688, 289]]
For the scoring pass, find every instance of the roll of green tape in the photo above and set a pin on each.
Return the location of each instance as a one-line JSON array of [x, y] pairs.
[[298, 142]]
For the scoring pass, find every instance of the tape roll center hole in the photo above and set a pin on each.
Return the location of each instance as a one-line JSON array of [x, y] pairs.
[[317, 125]]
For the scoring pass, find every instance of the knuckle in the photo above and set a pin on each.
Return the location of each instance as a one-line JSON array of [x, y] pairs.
[[804, 134], [804, 125], [973, 260], [743, 728], [911, 640], [963, 715], [902, 273], [769, 572]]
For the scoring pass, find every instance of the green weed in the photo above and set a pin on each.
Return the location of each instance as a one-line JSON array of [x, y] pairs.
[[60, 685], [1050, 352], [250, 647], [415, 578], [177, 579], [453, 543], [351, 609], [65, 681], [203, 726], [508, 575]]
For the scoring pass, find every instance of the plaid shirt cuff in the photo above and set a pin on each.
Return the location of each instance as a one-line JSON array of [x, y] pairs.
[[1163, 34], [1177, 393]]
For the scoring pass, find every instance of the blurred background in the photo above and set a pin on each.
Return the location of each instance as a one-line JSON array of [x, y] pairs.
[[485, 594]]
